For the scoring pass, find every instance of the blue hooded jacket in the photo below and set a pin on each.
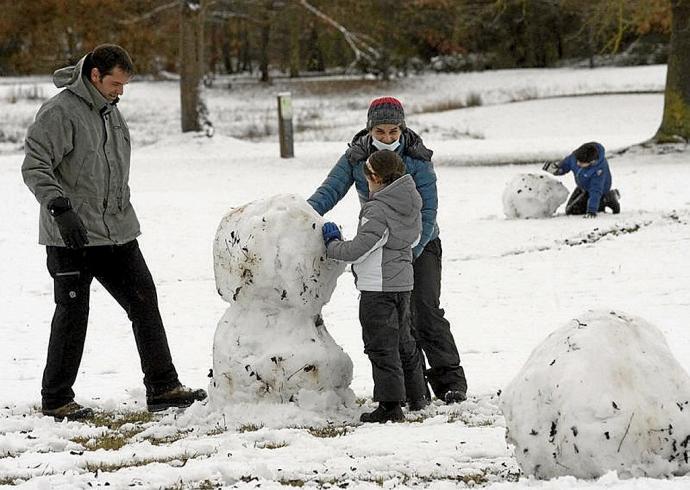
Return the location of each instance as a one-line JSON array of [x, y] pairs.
[[595, 180], [348, 171]]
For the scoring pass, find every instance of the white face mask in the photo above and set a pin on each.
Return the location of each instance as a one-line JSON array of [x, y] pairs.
[[380, 145]]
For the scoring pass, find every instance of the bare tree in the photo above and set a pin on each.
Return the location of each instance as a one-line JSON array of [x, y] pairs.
[[362, 49], [675, 124], [193, 109]]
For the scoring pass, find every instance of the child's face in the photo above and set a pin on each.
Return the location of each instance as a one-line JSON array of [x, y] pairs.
[[373, 181]]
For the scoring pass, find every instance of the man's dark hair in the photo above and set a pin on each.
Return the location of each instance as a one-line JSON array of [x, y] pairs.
[[106, 57], [387, 165], [587, 152]]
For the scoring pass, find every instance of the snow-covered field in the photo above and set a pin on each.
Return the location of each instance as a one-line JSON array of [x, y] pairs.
[[507, 284]]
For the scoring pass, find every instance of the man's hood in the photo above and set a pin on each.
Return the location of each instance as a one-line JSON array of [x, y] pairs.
[[70, 77]]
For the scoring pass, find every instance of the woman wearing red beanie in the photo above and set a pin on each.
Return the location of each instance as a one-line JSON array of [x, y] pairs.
[[386, 130]]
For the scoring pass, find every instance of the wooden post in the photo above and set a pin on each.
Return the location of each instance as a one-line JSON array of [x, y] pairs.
[[285, 125]]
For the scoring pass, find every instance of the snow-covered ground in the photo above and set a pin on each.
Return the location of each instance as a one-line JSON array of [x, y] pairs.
[[507, 285]]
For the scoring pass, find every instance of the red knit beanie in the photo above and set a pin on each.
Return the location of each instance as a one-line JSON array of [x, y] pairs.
[[385, 110]]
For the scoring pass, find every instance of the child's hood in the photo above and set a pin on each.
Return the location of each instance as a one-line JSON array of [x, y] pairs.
[[401, 195]]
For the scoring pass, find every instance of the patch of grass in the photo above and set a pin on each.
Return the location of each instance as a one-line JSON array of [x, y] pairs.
[[110, 467], [25, 92], [443, 105], [10, 480], [256, 131], [474, 99], [271, 444], [216, 431], [249, 428], [108, 441], [327, 431], [160, 441], [336, 86], [469, 421], [11, 137], [472, 478], [416, 418], [201, 485], [291, 483], [115, 420], [528, 93]]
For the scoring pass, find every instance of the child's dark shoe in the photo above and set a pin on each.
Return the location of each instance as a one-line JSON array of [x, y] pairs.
[[415, 405], [384, 413], [611, 201]]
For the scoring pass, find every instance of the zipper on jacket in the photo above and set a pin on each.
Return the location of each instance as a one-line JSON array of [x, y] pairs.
[[104, 120]]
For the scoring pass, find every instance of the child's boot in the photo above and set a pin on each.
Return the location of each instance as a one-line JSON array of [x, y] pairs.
[[386, 411], [611, 201]]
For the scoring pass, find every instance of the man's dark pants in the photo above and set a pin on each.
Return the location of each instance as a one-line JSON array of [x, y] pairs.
[[430, 327], [122, 271], [396, 363]]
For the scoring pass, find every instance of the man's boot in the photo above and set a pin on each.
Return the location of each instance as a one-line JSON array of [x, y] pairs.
[[386, 411], [180, 396], [69, 411]]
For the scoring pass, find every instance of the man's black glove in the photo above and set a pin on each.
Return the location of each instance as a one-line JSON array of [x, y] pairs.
[[72, 230]]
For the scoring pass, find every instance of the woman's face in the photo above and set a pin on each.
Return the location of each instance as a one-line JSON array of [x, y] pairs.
[[386, 133]]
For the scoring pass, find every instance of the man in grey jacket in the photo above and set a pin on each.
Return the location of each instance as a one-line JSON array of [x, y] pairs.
[[77, 165]]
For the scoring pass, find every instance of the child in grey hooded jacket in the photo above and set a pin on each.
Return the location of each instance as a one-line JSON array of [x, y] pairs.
[[381, 255]]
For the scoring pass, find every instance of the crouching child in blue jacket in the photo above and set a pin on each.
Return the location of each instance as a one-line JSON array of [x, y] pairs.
[[593, 193], [390, 224]]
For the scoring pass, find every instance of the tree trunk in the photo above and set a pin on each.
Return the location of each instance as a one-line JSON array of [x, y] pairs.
[[675, 125], [191, 63], [294, 29], [263, 50]]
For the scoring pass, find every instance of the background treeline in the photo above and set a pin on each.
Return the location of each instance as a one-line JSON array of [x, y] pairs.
[[296, 37]]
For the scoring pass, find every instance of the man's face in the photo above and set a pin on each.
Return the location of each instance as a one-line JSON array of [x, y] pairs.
[[585, 164], [110, 86]]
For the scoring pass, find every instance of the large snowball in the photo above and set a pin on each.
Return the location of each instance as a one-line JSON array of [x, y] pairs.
[[263, 353], [271, 344], [533, 196], [273, 249], [601, 393]]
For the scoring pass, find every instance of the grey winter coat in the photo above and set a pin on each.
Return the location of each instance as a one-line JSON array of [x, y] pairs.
[[390, 224], [79, 147]]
